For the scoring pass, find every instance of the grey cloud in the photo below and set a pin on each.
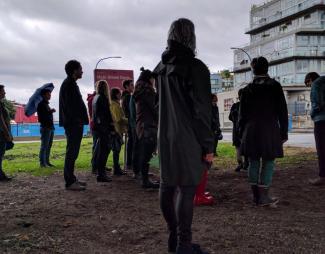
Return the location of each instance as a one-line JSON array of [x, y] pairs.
[[39, 36]]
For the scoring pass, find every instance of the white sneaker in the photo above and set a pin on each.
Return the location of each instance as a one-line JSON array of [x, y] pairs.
[[76, 187]]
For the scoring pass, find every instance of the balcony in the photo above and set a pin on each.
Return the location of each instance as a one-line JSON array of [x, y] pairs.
[[281, 14]]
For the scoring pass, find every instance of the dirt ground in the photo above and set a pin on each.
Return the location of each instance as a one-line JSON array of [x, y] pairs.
[[38, 216]]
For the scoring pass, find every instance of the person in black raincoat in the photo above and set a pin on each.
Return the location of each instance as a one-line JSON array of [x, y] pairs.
[[263, 123], [146, 124], [233, 116], [215, 123], [185, 139], [103, 125]]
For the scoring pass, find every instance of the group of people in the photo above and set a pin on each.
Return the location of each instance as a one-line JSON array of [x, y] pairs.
[[174, 103]]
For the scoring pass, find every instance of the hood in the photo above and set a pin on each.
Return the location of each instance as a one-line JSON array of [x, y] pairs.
[[141, 89], [175, 59]]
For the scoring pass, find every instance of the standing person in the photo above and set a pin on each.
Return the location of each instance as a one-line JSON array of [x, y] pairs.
[[317, 98], [90, 98], [185, 139], [233, 116], [263, 123], [146, 124], [132, 126], [5, 132], [120, 123], [215, 123], [126, 96], [104, 128], [45, 117], [72, 116]]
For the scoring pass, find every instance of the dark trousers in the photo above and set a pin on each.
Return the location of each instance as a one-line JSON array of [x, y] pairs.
[[46, 144], [319, 132], [2, 153], [178, 216], [74, 137], [135, 153], [129, 148], [101, 152], [117, 142], [146, 147], [95, 137], [215, 145]]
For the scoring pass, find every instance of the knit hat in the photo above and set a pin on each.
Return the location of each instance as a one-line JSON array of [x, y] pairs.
[[145, 75]]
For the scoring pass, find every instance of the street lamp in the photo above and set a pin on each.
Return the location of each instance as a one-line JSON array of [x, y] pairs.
[[105, 59], [249, 57]]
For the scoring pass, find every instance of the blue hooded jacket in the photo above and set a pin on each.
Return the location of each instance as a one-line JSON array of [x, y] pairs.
[[317, 98]]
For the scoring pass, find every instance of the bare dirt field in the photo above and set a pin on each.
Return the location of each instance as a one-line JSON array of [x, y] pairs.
[[37, 215]]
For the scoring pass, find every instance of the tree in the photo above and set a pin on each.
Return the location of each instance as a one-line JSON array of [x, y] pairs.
[[225, 74], [11, 108]]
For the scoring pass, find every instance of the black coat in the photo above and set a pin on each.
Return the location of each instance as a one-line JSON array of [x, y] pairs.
[[263, 119], [126, 96], [233, 116], [146, 110], [215, 124], [102, 117], [45, 115], [72, 109], [185, 134]]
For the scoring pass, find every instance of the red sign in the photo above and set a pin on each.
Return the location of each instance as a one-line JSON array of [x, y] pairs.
[[114, 78]]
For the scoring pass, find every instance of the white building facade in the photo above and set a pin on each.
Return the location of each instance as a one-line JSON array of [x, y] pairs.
[[291, 35]]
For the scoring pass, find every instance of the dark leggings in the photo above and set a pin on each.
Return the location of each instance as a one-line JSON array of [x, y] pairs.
[[178, 216]]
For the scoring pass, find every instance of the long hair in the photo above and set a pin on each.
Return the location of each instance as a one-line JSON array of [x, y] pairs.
[[102, 88], [183, 31]]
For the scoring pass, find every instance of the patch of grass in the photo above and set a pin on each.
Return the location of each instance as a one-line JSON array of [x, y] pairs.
[[24, 158]]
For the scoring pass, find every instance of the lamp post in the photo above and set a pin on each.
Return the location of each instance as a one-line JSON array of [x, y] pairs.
[[101, 59], [249, 57]]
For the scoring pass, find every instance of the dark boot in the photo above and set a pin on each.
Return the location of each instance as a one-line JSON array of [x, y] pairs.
[[193, 249], [246, 164], [172, 241], [239, 167], [147, 184], [255, 194], [118, 172], [264, 198]]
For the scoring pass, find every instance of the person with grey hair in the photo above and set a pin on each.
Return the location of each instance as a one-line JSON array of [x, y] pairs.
[[185, 138]]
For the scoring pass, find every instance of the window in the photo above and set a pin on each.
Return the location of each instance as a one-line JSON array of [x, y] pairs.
[[308, 16], [228, 103], [302, 66], [302, 40]]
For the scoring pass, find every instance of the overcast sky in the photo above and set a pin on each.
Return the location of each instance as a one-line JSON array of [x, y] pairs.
[[37, 37]]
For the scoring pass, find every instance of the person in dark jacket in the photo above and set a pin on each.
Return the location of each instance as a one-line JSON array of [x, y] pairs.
[[104, 128], [185, 139], [215, 123], [72, 116], [146, 124], [133, 125], [317, 113], [233, 116], [45, 117], [263, 123], [5, 132], [126, 96]]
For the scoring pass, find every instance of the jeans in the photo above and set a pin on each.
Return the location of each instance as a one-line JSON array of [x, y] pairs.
[[178, 216], [46, 144], [74, 137], [146, 147], [102, 150], [319, 132], [117, 142], [260, 176], [2, 153]]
